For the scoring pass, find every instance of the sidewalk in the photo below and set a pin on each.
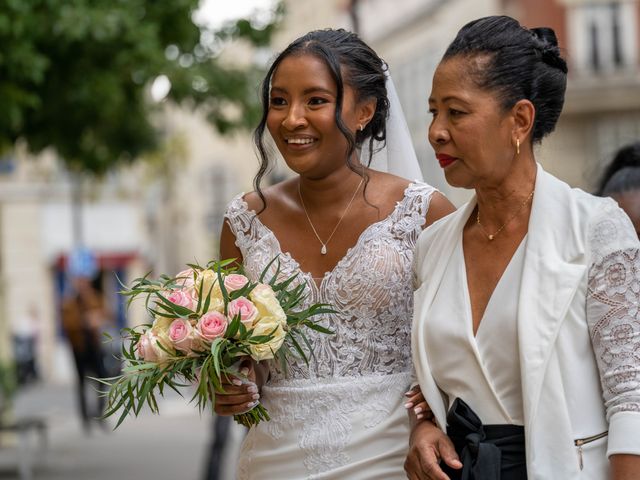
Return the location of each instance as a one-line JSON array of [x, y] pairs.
[[172, 445]]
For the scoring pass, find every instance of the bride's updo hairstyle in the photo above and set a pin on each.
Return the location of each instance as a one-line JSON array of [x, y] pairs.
[[516, 63], [350, 62]]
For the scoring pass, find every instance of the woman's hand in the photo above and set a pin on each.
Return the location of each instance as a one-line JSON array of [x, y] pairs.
[[417, 403], [240, 394], [429, 445]]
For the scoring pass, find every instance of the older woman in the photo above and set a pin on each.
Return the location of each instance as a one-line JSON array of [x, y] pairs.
[[526, 324]]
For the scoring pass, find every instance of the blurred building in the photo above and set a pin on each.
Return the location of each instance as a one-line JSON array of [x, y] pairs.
[[36, 238], [601, 40]]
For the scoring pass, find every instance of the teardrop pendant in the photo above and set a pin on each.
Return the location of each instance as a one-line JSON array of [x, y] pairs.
[[323, 250]]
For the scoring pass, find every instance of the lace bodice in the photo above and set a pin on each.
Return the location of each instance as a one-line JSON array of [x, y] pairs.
[[613, 308], [370, 288]]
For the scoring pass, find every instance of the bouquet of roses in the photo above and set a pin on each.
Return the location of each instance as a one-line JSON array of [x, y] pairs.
[[204, 320]]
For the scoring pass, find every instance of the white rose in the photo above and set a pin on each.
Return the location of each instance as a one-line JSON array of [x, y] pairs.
[[267, 304], [160, 331], [265, 351], [209, 281]]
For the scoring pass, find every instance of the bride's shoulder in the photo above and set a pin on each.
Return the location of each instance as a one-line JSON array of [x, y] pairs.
[[397, 187], [274, 197], [386, 185]]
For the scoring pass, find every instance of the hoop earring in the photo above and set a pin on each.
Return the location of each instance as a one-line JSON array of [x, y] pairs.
[[517, 146]]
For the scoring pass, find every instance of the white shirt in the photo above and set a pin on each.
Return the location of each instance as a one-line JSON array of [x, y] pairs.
[[483, 372]]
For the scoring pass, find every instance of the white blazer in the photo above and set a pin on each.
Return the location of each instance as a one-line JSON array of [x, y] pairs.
[[561, 389]]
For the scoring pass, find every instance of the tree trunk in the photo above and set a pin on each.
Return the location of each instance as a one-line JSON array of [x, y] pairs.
[[76, 211]]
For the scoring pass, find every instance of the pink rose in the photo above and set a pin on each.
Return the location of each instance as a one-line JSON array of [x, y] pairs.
[[182, 298], [148, 349], [245, 308], [185, 278], [182, 336], [212, 325], [144, 348], [235, 281]]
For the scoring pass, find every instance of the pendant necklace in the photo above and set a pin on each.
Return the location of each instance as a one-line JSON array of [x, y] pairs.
[[323, 250], [491, 236]]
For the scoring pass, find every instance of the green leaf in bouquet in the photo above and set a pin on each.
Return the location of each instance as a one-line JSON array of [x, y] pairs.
[[143, 394], [152, 402], [282, 286], [259, 339], [164, 278], [244, 333], [306, 341], [281, 356], [244, 291], [233, 327], [178, 309], [265, 270], [319, 328], [216, 350], [298, 348], [223, 289], [222, 264], [162, 314], [165, 349], [200, 296], [207, 300], [140, 366], [173, 387], [167, 309]]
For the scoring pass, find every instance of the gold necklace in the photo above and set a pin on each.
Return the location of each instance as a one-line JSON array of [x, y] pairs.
[[323, 250], [493, 235]]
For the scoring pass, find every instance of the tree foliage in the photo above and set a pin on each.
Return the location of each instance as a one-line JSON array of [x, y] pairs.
[[75, 75]]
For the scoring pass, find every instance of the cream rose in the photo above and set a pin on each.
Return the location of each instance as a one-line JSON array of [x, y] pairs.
[[208, 279], [267, 304], [266, 351]]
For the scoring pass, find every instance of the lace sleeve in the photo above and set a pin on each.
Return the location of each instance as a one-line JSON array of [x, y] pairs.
[[239, 218], [612, 308]]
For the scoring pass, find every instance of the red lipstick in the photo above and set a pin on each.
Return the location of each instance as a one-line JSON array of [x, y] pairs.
[[445, 160]]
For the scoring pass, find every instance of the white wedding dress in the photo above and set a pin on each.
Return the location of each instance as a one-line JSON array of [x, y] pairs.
[[342, 416]]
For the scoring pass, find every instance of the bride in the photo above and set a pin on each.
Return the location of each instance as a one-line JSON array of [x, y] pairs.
[[349, 233]]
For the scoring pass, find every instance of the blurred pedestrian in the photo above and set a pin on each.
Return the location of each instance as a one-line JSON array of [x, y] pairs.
[[627, 156], [83, 315], [219, 441], [621, 182]]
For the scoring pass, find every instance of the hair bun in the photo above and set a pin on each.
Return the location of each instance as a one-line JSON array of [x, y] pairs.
[[546, 35], [548, 47]]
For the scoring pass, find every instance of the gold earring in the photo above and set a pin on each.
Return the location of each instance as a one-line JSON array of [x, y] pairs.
[[517, 146]]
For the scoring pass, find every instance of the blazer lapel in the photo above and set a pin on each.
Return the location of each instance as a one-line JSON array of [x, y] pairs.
[[553, 269], [431, 271]]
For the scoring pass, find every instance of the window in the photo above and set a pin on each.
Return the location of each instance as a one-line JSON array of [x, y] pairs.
[[603, 36]]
